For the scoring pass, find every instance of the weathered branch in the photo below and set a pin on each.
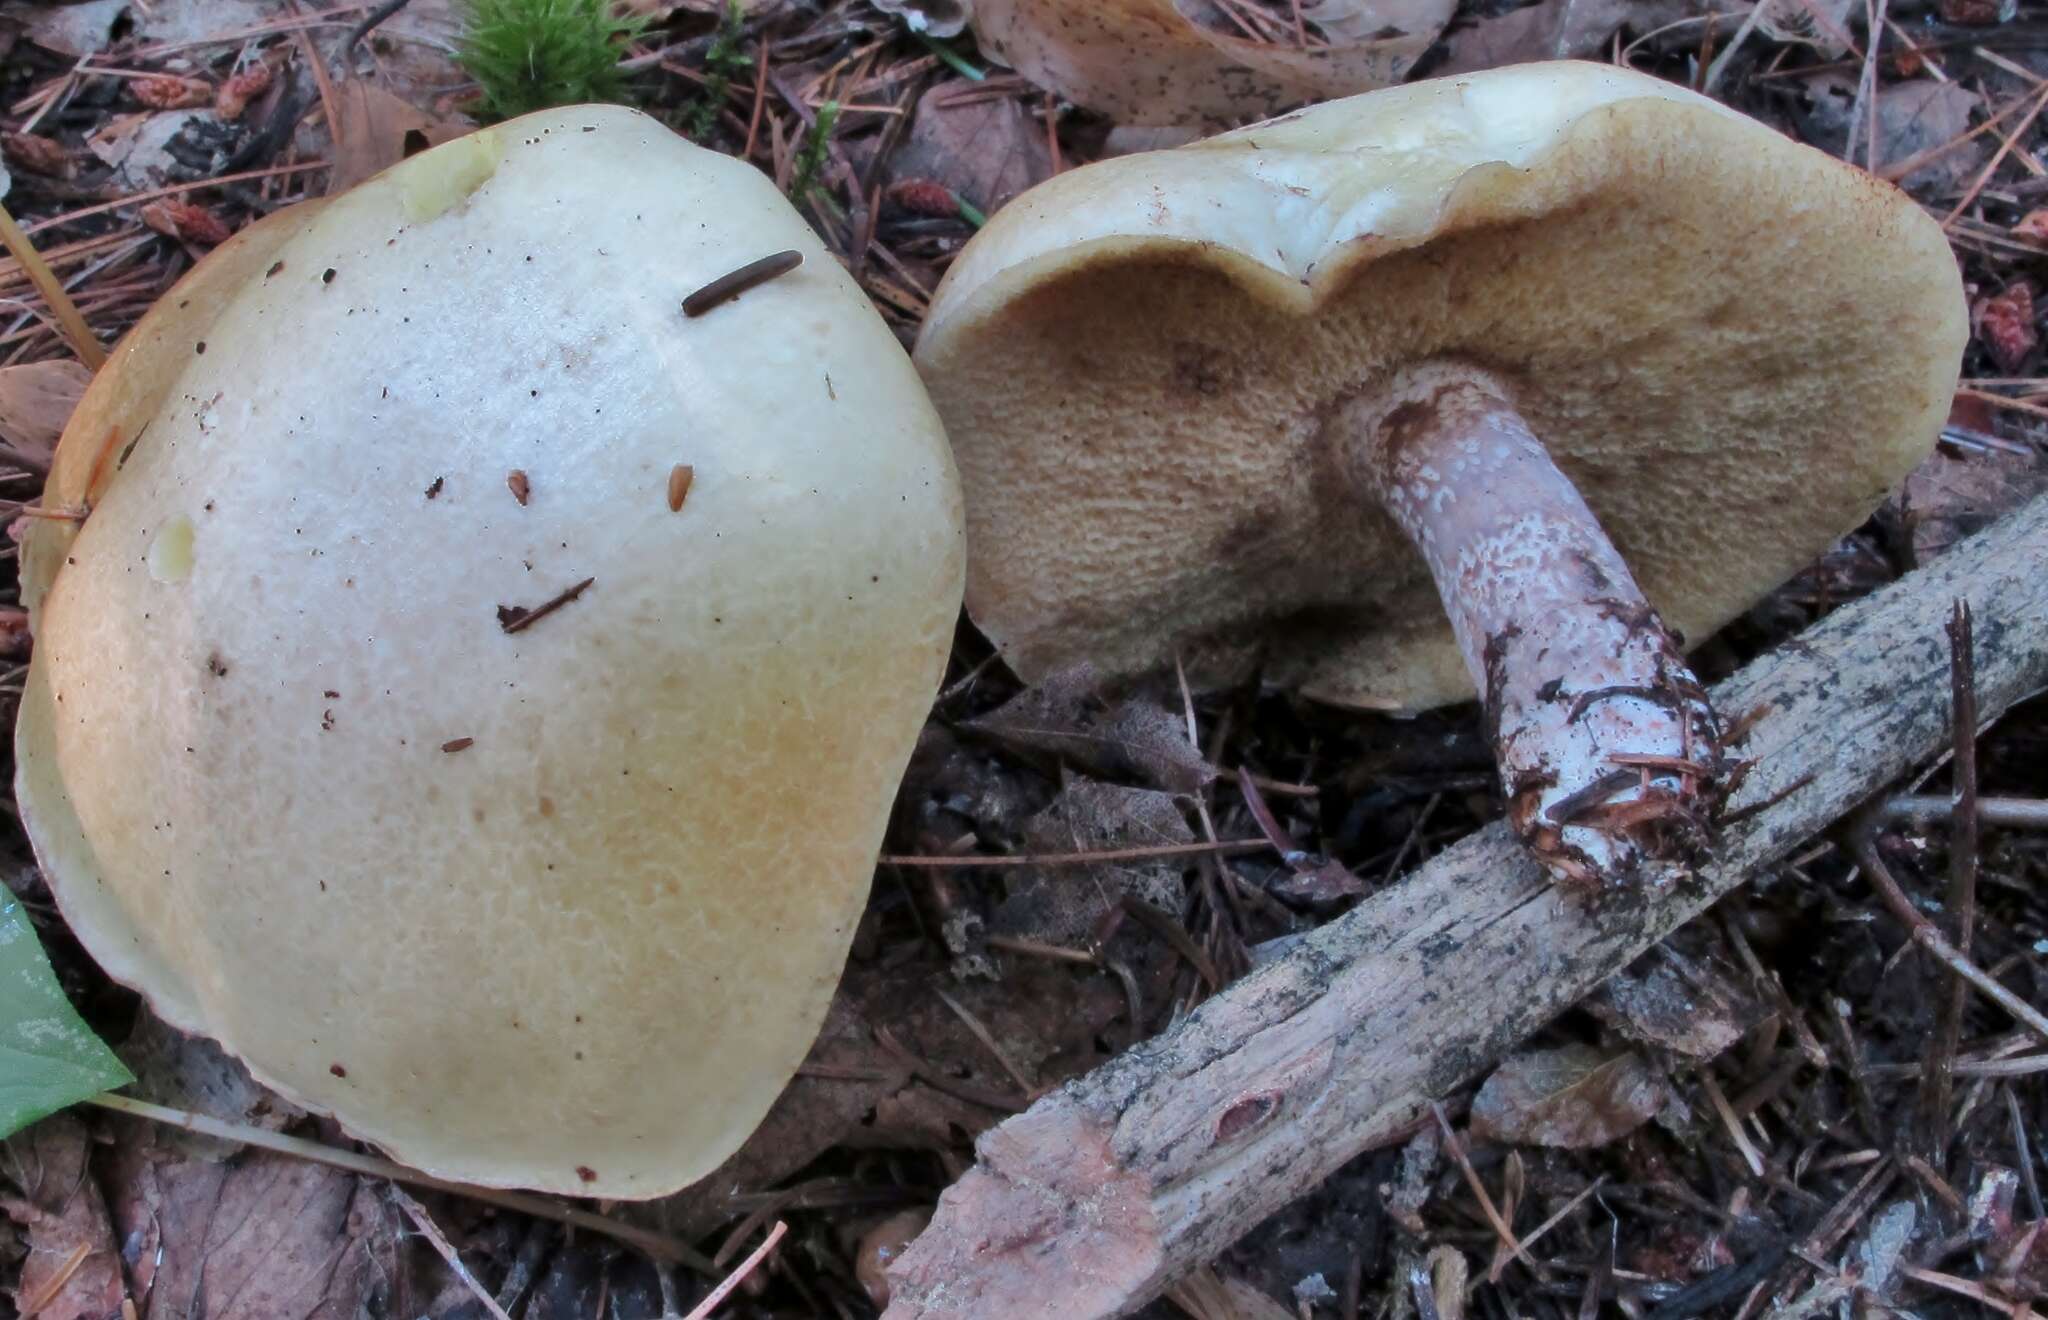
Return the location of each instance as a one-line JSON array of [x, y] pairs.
[[1091, 1201]]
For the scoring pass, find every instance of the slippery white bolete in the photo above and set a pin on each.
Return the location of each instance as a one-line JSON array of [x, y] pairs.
[[1213, 401], [476, 689]]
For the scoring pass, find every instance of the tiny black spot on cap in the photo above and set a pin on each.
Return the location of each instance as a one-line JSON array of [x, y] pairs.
[[327, 276]]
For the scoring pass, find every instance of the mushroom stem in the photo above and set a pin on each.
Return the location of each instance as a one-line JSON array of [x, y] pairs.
[[1609, 752]]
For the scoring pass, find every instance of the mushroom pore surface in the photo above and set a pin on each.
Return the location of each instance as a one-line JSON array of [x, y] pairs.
[[1730, 344], [557, 905]]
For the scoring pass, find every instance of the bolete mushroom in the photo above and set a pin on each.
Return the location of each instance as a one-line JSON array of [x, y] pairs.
[[1264, 396], [472, 689]]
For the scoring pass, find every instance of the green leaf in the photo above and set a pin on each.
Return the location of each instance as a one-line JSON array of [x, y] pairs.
[[48, 1057]]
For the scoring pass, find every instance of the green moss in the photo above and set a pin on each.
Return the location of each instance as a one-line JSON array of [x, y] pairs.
[[534, 54], [811, 158], [721, 62]]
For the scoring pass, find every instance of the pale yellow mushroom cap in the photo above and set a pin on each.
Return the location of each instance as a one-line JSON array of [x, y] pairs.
[[559, 907], [1733, 344]]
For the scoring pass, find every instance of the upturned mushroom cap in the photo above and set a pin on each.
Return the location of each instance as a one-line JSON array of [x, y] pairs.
[[1734, 346], [558, 906]]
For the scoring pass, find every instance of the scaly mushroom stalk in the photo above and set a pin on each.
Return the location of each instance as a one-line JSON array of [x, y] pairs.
[[1607, 746], [1155, 369]]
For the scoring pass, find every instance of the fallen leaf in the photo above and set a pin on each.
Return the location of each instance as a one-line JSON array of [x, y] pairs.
[[1045, 1018], [2005, 326], [260, 1237], [1572, 1097], [1550, 30], [1181, 61], [1949, 497], [1063, 905], [986, 149], [138, 146], [65, 1218], [36, 399], [194, 1074], [375, 129], [1911, 117], [1068, 716], [71, 29], [1677, 1004]]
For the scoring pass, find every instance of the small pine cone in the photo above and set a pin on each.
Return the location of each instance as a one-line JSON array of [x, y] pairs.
[[188, 222], [2005, 326], [164, 92], [240, 89], [35, 155], [925, 197]]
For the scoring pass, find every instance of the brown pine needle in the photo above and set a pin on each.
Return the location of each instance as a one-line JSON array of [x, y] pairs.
[[1899, 169], [1924, 933], [57, 1281], [47, 284], [703, 1309], [1984, 176], [1486, 1206]]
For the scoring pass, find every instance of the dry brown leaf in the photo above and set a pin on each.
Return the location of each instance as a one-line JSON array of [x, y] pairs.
[[138, 146], [261, 1237], [1062, 905], [194, 1074], [70, 29], [1179, 61], [1911, 117], [1573, 1097], [1948, 498], [1045, 1018], [375, 129], [36, 399], [61, 1209], [1068, 717], [1575, 29], [1689, 1008], [986, 150]]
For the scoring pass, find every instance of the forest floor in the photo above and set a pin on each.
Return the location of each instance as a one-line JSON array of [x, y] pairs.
[[1796, 1155]]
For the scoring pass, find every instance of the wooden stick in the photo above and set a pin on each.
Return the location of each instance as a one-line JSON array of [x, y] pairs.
[[1088, 1203]]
